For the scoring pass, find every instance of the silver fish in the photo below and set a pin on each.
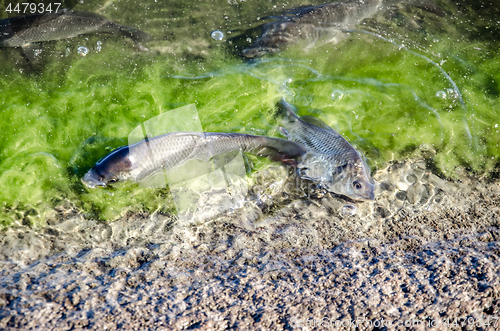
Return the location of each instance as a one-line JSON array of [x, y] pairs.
[[26, 31], [330, 159], [143, 159], [324, 22]]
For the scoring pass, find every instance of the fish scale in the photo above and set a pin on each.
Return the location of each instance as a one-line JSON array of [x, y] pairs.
[[330, 159], [328, 143], [140, 160]]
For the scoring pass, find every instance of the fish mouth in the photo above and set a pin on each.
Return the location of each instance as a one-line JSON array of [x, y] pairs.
[[365, 196], [91, 179], [362, 196], [370, 197], [370, 194]]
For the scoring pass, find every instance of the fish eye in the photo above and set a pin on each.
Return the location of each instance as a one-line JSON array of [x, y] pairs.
[[112, 180], [357, 185]]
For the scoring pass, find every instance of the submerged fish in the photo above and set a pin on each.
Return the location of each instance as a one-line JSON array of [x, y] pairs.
[[330, 159], [143, 159], [325, 21], [27, 31]]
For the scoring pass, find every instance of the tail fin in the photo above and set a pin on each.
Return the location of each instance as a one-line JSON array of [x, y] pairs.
[[134, 34], [274, 148], [286, 111], [277, 149], [286, 147]]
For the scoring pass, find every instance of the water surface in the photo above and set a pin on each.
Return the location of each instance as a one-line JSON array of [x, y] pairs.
[[406, 84]]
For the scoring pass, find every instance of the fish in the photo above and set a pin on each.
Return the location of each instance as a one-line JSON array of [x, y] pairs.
[[330, 160], [326, 22], [141, 160], [29, 30]]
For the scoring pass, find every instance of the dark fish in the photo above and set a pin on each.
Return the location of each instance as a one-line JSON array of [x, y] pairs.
[[330, 159], [143, 159], [324, 22], [27, 31]]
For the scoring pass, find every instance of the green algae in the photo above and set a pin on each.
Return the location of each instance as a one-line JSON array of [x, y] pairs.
[[59, 118]]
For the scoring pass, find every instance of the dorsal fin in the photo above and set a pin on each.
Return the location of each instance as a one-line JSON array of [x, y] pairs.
[[317, 122], [320, 124], [286, 111]]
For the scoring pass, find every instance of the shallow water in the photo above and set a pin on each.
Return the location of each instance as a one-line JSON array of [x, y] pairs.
[[416, 85], [417, 94], [426, 246]]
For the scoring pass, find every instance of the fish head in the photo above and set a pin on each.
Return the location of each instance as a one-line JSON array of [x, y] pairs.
[[109, 169], [354, 182], [360, 188], [272, 40], [93, 179]]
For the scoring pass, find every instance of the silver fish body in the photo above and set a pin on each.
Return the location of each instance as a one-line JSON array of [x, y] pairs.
[[143, 159], [325, 21], [330, 160], [23, 31]]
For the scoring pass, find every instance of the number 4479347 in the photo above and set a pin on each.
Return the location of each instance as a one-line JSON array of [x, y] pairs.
[[33, 8]]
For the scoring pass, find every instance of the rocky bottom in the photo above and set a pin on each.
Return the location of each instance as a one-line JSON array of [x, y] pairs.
[[424, 255]]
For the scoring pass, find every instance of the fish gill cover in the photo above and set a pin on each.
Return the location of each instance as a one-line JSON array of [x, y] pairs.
[[411, 84]]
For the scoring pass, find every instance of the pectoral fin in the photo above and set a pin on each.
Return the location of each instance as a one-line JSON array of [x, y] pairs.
[[32, 51], [284, 132], [276, 156]]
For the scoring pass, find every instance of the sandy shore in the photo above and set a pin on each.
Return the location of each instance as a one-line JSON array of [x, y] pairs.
[[425, 255]]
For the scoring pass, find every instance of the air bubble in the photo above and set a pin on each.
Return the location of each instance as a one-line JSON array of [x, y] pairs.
[[99, 46], [401, 195], [82, 51], [441, 94], [451, 93], [348, 210], [337, 95], [411, 178], [217, 35], [304, 100]]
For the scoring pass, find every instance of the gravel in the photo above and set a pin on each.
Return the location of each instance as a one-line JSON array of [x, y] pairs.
[[425, 255]]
